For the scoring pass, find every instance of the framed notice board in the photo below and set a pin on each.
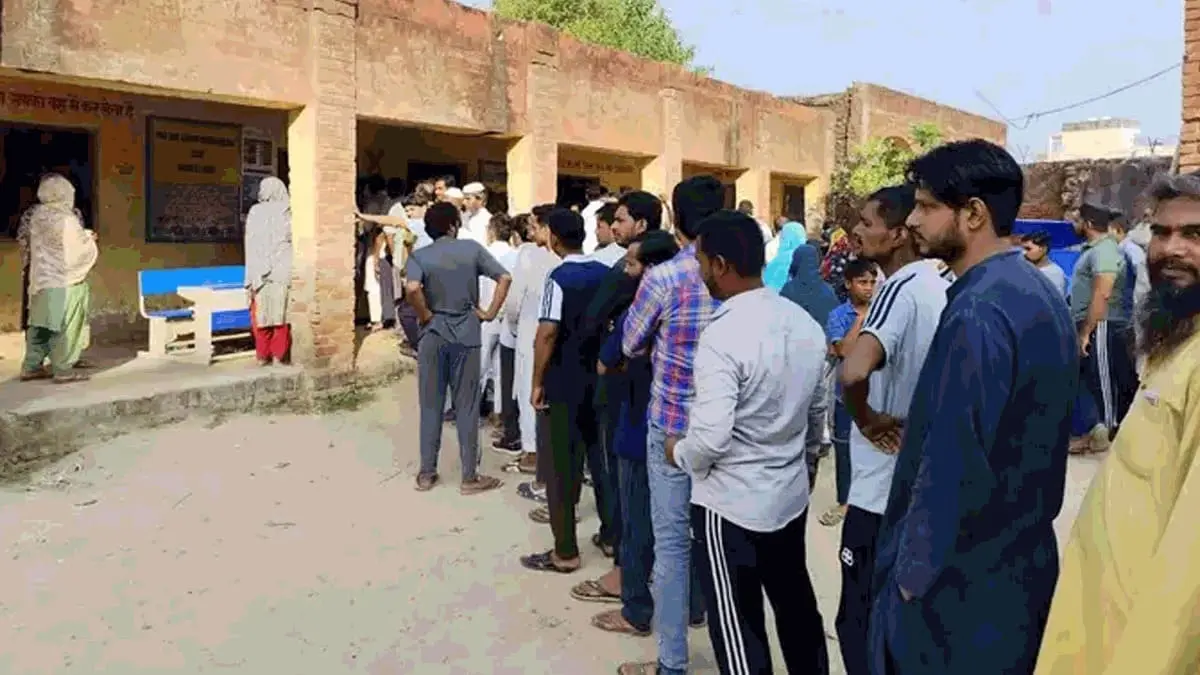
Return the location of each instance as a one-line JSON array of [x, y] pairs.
[[193, 181]]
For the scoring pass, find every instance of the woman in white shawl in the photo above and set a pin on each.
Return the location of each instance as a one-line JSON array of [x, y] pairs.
[[269, 270], [60, 254]]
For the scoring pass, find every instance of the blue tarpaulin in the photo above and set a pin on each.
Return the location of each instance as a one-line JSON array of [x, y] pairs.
[[1064, 243]]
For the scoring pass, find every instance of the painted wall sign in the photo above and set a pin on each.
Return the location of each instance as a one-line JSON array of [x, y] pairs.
[[193, 181], [16, 100]]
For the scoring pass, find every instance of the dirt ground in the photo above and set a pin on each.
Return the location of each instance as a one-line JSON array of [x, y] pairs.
[[296, 545]]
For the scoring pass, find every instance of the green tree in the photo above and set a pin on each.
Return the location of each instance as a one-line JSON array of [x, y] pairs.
[[881, 161], [639, 27]]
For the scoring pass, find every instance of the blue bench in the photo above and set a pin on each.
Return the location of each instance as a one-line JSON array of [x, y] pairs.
[[167, 325]]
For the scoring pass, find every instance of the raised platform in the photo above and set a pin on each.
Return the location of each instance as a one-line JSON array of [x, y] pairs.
[[41, 421]]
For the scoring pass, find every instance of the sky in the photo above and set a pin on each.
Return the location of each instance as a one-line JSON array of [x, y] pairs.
[[1005, 59]]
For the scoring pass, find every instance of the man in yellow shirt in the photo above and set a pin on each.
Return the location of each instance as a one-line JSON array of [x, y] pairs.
[[1128, 597]]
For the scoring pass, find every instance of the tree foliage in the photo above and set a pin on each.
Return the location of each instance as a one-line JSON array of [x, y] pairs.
[[639, 27], [881, 162]]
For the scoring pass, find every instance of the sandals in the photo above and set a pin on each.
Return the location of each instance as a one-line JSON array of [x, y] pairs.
[[592, 591], [67, 378], [544, 562], [528, 491], [541, 516], [480, 485], [650, 668], [833, 516], [613, 621], [42, 374], [426, 481], [607, 549]]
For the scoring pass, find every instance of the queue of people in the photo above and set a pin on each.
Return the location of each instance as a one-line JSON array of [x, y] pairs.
[[688, 382]]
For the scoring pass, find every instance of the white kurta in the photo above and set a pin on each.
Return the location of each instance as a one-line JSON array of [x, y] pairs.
[[489, 333], [534, 264], [476, 227]]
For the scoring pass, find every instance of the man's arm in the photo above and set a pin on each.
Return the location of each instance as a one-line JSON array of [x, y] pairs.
[[547, 334], [644, 315], [970, 385], [710, 422], [881, 334], [414, 291]]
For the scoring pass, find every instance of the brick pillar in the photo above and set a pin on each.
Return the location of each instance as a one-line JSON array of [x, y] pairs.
[[664, 172], [1189, 135], [533, 160], [321, 149], [755, 185]]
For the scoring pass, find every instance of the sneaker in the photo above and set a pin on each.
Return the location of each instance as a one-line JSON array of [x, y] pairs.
[[509, 448], [1098, 438]]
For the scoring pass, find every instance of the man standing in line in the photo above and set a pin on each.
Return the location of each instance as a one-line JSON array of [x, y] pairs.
[[967, 558], [443, 288], [745, 450], [478, 218], [671, 308], [564, 385], [1126, 600], [1101, 317], [595, 194], [1037, 251], [608, 251], [879, 376]]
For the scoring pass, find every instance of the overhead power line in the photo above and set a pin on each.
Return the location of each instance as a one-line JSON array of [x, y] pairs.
[[1024, 121]]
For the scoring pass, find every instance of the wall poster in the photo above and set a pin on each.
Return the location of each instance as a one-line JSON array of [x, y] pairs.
[[193, 181]]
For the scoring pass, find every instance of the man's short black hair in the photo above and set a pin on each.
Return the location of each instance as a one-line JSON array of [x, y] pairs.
[[958, 172], [416, 199], [441, 219], [502, 227], [607, 214], [447, 180], [520, 225], [895, 203], [542, 211], [655, 247], [695, 199], [1039, 238], [857, 269], [376, 183], [567, 227], [395, 187], [642, 205], [737, 238], [595, 191], [1098, 216]]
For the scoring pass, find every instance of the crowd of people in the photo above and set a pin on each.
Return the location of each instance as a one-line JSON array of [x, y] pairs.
[[692, 369]]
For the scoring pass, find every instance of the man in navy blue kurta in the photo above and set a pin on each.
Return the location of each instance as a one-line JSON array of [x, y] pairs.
[[967, 558]]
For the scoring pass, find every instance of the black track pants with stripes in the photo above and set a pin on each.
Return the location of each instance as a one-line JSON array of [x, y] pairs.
[[736, 567]]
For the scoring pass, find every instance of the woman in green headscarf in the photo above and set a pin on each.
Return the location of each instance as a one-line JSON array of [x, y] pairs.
[[60, 253], [791, 237]]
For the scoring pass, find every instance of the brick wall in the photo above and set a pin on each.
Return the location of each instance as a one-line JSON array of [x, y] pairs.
[[1054, 190], [1189, 135]]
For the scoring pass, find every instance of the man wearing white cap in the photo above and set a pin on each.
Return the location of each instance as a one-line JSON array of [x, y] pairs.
[[477, 216]]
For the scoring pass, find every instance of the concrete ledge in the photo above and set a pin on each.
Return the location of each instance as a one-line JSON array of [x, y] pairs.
[[47, 428]]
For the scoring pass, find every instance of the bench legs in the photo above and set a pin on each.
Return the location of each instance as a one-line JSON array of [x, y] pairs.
[[161, 335], [202, 318]]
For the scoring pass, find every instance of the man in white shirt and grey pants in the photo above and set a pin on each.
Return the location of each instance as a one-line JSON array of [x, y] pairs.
[[745, 452]]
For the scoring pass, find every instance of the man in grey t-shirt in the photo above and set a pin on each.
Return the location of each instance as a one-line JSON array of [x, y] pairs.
[[443, 288]]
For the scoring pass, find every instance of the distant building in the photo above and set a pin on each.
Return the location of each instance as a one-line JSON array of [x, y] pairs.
[[1105, 138]]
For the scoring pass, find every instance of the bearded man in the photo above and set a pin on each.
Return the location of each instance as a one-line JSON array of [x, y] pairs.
[[1126, 598]]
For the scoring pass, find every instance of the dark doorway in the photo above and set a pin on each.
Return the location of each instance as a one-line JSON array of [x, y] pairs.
[[572, 190], [27, 152], [793, 202], [419, 171]]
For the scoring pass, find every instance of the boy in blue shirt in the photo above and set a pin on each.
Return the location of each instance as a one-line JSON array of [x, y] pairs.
[[841, 330]]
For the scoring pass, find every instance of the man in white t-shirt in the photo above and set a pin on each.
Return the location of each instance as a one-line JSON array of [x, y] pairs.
[[477, 216], [596, 194], [879, 375]]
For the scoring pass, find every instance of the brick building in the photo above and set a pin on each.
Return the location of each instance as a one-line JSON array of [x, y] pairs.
[[167, 116], [1189, 135]]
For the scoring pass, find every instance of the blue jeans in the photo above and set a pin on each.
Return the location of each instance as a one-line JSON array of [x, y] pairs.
[[1084, 415], [637, 543], [841, 449], [678, 595]]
